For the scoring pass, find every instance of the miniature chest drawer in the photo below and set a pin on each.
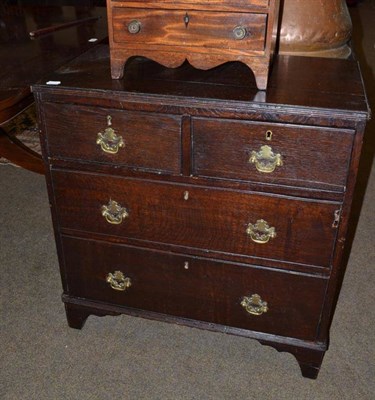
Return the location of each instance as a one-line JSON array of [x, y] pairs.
[[107, 136], [273, 153], [238, 31], [206, 33], [193, 288], [249, 224]]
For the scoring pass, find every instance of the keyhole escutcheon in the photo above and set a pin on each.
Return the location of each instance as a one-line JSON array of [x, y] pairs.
[[186, 20]]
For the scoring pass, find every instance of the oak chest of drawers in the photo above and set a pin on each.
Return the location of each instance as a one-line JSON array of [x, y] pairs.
[[206, 33], [181, 195]]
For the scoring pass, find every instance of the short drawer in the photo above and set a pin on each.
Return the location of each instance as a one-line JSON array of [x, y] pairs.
[[190, 28], [194, 288], [142, 140], [250, 224], [272, 153]]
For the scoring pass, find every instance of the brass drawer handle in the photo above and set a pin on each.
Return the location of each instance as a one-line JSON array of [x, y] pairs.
[[108, 140], [254, 305], [118, 281], [239, 32], [134, 27], [265, 159], [261, 232], [114, 213]]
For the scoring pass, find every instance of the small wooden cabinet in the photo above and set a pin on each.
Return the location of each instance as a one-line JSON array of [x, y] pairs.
[[185, 196], [206, 33]]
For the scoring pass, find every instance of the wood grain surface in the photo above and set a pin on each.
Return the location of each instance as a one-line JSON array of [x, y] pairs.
[[151, 141], [203, 290], [198, 211], [210, 219], [205, 29], [312, 157]]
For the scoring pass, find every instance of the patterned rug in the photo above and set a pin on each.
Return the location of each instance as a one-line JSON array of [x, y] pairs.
[[24, 128]]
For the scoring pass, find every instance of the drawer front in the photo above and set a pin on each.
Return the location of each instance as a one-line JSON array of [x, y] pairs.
[[200, 29], [194, 288], [310, 157], [208, 219], [143, 140]]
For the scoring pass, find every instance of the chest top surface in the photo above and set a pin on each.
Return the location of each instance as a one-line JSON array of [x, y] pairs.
[[331, 86]]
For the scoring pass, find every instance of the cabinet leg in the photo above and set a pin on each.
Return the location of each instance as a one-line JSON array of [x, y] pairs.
[[309, 359], [260, 71], [261, 81], [309, 370], [117, 68], [76, 316]]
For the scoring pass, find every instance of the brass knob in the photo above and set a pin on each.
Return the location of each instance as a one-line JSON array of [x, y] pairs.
[[134, 27], [114, 213], [261, 232], [239, 32], [265, 159], [254, 305], [108, 140], [118, 281]]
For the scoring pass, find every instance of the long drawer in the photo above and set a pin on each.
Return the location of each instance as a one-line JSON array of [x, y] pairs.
[[232, 31], [250, 224], [137, 140], [228, 294], [272, 153]]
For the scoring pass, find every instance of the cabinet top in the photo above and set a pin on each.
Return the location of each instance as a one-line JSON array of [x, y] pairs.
[[296, 83]]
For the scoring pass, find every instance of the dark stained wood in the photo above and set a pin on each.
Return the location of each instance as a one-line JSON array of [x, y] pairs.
[[77, 316], [205, 39], [311, 156], [201, 289], [151, 141], [54, 28], [308, 354], [302, 90], [317, 110], [13, 101], [215, 220], [24, 61], [13, 149], [344, 241], [188, 179], [186, 145], [309, 359]]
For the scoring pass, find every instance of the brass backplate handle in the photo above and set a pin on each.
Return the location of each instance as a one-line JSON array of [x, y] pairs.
[[254, 305], [261, 232], [108, 140], [118, 281], [114, 213], [265, 159]]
